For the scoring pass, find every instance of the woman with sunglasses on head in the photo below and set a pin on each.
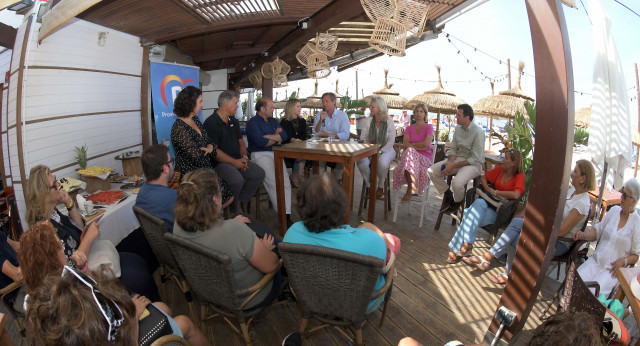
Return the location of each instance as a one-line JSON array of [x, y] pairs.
[[618, 237], [76, 314], [576, 209], [43, 194], [508, 183]]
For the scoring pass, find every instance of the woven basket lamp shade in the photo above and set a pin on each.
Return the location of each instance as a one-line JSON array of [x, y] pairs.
[[268, 70], [378, 9], [280, 80], [389, 37], [280, 67], [326, 44], [412, 14], [256, 79], [318, 66], [306, 52]]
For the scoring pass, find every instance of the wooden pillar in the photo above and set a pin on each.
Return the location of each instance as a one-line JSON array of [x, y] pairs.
[[552, 153], [267, 88], [145, 117]]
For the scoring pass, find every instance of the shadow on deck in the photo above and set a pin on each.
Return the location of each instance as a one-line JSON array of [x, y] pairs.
[[432, 301]]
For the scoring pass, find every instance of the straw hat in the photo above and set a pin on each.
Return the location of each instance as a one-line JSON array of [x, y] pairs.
[[438, 100], [392, 98], [583, 117], [507, 103]]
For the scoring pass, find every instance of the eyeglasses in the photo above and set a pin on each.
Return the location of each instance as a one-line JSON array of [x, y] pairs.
[[109, 309], [170, 161], [624, 194], [56, 184]]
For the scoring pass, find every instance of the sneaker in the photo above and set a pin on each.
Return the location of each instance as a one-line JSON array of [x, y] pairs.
[[293, 339]]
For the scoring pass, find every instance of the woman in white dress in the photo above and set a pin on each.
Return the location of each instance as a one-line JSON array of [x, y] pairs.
[[618, 238]]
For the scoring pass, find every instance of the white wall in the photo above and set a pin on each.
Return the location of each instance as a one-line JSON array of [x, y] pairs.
[[217, 83], [74, 92], [5, 62]]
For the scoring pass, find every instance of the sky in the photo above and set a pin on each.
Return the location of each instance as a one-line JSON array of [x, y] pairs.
[[496, 30]]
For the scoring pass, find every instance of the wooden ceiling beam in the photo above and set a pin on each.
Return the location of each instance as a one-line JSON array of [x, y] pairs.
[[216, 28], [328, 17], [233, 53], [7, 35]]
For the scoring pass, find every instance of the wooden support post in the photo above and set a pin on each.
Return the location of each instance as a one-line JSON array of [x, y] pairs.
[[552, 153], [267, 88]]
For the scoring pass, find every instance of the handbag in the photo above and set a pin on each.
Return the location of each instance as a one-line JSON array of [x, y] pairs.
[[505, 208], [152, 326], [103, 253]]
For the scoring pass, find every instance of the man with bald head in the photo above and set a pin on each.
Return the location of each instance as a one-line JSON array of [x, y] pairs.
[[263, 131]]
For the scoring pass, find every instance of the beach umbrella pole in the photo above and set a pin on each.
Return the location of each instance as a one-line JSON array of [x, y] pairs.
[[438, 128], [601, 191]]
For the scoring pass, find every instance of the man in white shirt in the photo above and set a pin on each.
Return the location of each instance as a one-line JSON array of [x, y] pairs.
[[333, 122]]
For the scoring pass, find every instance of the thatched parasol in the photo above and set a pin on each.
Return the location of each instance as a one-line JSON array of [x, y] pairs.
[[506, 104], [438, 100], [313, 101], [280, 104], [392, 98], [583, 117]]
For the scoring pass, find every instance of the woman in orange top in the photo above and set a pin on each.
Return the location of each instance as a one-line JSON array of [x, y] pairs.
[[508, 181]]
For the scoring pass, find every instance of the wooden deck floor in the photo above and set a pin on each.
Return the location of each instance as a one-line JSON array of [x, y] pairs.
[[432, 301]]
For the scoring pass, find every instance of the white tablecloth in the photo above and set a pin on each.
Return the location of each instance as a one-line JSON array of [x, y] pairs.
[[118, 220]]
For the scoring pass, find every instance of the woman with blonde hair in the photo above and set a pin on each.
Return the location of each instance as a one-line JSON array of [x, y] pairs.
[[296, 128], [43, 194], [416, 157], [197, 213], [380, 130]]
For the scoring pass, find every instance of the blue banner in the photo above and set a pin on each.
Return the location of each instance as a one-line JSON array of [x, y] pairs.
[[167, 80]]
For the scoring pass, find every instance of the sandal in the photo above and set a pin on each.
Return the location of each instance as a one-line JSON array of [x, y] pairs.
[[500, 279], [451, 259], [480, 265]]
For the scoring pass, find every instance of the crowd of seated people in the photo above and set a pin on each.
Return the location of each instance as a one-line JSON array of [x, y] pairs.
[[52, 256]]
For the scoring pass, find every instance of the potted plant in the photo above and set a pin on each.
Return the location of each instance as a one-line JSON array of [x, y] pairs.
[[81, 156]]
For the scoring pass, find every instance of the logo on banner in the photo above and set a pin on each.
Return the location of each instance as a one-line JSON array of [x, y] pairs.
[[174, 90]]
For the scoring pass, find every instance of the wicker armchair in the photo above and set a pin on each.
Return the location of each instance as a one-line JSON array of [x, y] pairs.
[[170, 340], [577, 296], [18, 317], [154, 228], [334, 286], [211, 277]]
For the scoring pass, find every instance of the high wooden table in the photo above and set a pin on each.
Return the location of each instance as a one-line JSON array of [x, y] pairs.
[[346, 153]]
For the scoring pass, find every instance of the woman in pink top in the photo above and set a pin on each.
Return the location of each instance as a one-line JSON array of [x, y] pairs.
[[416, 158]]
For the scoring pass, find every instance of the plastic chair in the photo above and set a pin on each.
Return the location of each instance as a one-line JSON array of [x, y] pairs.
[[423, 197], [154, 228], [334, 286], [211, 277]]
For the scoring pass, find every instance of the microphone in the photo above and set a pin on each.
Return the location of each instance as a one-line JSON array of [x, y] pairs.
[[323, 122]]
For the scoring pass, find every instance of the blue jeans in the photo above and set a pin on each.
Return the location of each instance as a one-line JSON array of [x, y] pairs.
[[477, 215], [508, 242]]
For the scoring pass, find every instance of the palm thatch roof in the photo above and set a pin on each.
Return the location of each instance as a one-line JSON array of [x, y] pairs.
[[507, 103], [583, 117], [392, 98], [438, 100], [313, 101]]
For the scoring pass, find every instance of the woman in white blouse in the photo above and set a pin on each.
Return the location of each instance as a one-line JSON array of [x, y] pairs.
[[379, 130], [618, 238]]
